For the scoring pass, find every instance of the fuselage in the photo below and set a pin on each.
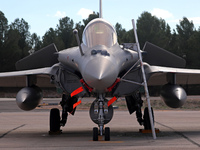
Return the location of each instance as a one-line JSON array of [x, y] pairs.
[[103, 60]]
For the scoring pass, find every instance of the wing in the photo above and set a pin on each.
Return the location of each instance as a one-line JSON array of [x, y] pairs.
[[162, 65], [45, 71], [42, 62], [156, 56], [161, 75], [46, 57], [40, 77]]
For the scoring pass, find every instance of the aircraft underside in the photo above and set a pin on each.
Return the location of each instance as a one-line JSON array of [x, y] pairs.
[[101, 112]]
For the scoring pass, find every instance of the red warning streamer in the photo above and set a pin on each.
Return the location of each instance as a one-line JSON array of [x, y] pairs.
[[115, 83], [76, 104], [87, 86], [77, 91], [111, 101]]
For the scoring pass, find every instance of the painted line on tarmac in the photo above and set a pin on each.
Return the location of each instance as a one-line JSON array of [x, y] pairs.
[[11, 131], [112, 142]]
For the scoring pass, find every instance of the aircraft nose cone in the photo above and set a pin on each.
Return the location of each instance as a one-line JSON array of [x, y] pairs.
[[100, 74]]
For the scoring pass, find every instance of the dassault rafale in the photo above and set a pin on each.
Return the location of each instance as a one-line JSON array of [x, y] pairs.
[[99, 66]]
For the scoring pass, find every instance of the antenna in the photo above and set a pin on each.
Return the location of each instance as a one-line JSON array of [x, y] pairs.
[[100, 9], [78, 41]]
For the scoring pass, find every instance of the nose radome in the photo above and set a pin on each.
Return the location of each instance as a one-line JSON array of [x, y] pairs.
[[100, 73]]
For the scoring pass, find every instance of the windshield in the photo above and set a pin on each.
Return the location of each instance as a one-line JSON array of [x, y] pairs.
[[99, 32]]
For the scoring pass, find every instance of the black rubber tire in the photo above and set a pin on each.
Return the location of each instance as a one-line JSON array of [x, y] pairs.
[[107, 134], [55, 120], [95, 134], [147, 123]]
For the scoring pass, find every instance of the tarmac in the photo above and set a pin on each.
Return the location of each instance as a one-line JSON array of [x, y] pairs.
[[22, 130]]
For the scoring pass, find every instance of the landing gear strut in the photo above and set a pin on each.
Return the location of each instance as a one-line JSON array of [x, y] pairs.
[[134, 103], [67, 107], [101, 114]]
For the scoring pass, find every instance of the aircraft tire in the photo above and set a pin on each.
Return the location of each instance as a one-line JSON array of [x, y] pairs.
[[54, 120], [147, 123], [95, 134], [107, 134]]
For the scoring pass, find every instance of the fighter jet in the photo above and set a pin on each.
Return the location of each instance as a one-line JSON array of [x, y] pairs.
[[97, 67]]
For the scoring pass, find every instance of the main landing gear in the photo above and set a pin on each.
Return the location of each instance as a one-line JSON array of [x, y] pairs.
[[56, 122], [101, 114], [134, 104]]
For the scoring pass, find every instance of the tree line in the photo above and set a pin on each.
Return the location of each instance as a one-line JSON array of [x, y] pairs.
[[16, 41]]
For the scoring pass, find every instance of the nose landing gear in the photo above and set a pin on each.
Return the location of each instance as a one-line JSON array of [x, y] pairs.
[[101, 114]]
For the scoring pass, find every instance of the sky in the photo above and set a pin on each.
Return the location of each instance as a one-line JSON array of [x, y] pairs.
[[44, 14]]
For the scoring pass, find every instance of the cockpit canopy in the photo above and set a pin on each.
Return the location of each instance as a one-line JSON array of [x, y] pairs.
[[99, 32]]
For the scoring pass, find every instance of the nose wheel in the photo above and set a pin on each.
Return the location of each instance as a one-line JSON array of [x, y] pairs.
[[107, 134], [96, 134]]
